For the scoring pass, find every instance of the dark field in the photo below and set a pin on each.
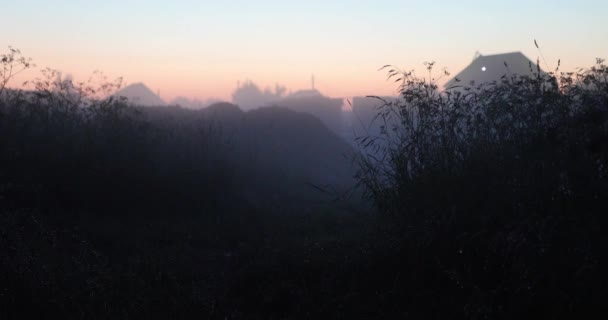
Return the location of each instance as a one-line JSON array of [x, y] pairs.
[[485, 202]]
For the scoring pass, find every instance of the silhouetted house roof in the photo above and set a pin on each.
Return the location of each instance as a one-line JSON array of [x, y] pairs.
[[140, 94], [490, 68]]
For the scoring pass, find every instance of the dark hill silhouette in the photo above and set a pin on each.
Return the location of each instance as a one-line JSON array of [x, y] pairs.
[[300, 134], [187, 103], [249, 96], [193, 103], [299, 146], [140, 94], [229, 116], [223, 110], [328, 110], [279, 151]]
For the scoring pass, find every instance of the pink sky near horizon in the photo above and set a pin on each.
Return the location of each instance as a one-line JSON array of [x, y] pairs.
[[201, 50], [216, 81]]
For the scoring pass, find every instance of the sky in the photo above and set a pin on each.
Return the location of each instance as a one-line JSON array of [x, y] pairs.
[[201, 49]]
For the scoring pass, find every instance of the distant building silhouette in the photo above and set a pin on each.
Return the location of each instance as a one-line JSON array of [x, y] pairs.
[[484, 69], [249, 96], [140, 94]]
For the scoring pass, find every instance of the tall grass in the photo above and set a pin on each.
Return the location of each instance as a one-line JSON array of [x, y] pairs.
[[499, 191], [67, 144], [492, 203]]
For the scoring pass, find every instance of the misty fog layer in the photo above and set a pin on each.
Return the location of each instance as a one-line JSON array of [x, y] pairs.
[[482, 200]]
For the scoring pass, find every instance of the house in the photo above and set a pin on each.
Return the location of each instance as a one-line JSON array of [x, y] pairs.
[[485, 69], [139, 94]]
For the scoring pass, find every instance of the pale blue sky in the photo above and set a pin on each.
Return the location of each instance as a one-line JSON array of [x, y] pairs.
[[201, 48]]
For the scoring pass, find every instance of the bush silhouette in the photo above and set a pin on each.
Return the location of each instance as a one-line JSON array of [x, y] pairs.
[[498, 191], [491, 202]]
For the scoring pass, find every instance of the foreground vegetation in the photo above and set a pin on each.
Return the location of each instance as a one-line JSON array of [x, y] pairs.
[[490, 201], [498, 193]]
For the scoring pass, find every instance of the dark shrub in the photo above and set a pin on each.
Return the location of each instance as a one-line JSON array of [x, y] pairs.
[[499, 191]]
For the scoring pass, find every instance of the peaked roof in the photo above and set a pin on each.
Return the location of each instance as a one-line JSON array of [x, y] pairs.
[[490, 68], [140, 94]]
